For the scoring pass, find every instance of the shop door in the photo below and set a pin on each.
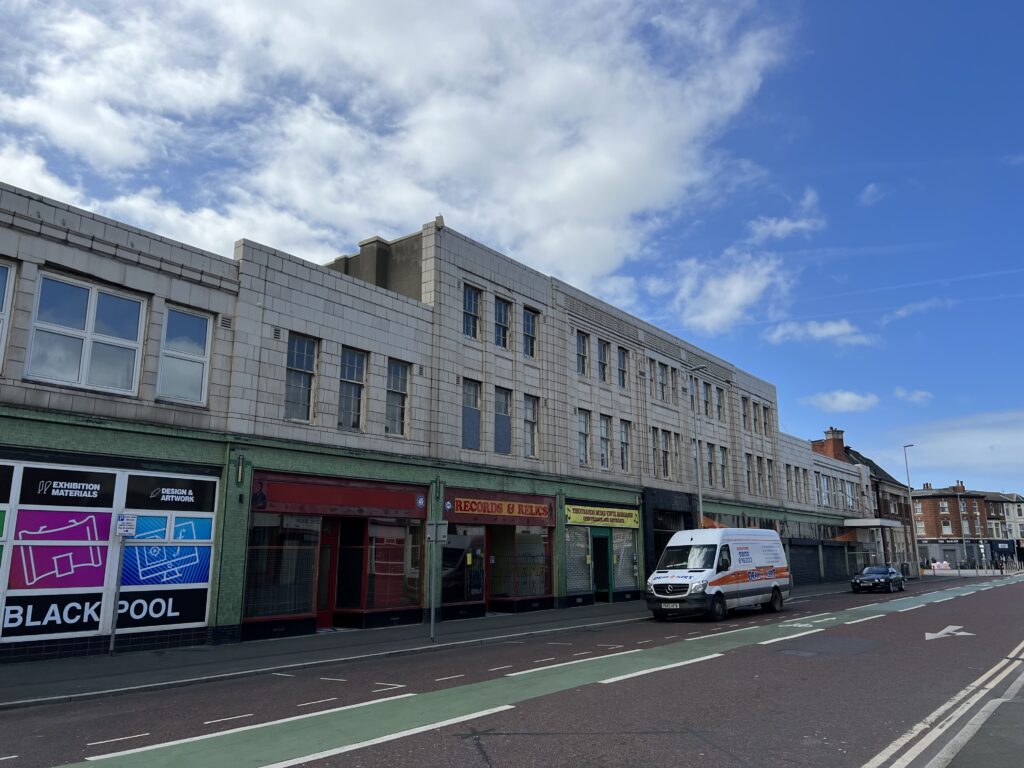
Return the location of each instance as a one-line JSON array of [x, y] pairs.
[[327, 569], [602, 547]]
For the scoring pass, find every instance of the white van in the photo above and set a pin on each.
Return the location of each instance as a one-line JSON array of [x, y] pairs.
[[712, 570]]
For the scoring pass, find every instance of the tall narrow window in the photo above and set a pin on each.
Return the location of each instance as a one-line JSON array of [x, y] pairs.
[[531, 406], [471, 414], [184, 357], [583, 447], [723, 463], [770, 475], [623, 367], [624, 429], [605, 436], [662, 381], [665, 453], [502, 317], [86, 336], [502, 420], [807, 486], [654, 451], [707, 399], [750, 472], [817, 487], [760, 476], [757, 421], [604, 353], [471, 311], [5, 305], [353, 378], [675, 386], [711, 464], [789, 482], [826, 492], [298, 388], [767, 413], [720, 403], [745, 411], [398, 395], [582, 351], [530, 319]]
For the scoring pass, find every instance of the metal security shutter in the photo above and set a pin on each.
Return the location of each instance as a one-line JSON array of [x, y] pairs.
[[624, 546], [803, 562], [835, 563], [577, 569]]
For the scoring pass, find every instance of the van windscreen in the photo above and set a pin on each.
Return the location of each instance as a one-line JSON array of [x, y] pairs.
[[693, 556]]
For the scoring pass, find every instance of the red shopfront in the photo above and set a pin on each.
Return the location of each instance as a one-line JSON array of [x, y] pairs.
[[498, 555], [330, 552]]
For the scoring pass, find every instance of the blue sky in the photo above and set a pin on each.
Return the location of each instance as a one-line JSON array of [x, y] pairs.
[[826, 194]]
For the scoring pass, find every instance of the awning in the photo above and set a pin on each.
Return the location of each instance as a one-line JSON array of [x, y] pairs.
[[871, 522]]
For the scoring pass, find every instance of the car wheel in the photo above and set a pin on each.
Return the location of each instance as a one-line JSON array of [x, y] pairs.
[[891, 587], [660, 616], [774, 604], [903, 585], [717, 610]]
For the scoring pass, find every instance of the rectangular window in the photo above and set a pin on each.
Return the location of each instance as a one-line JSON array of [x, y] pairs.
[[770, 474], [917, 507], [750, 472], [723, 463], [582, 347], [675, 386], [502, 420], [654, 451], [531, 406], [604, 353], [6, 283], [850, 497], [624, 433], [789, 481], [767, 413], [623, 368], [677, 455], [530, 319], [707, 399], [817, 487], [757, 417], [605, 436], [692, 390], [665, 453], [947, 527], [720, 403], [471, 311], [353, 377], [711, 464], [398, 394], [825, 492], [944, 506], [184, 357], [502, 317], [807, 485], [583, 445], [662, 381], [86, 336], [920, 527], [471, 414], [298, 385], [760, 476], [745, 411]]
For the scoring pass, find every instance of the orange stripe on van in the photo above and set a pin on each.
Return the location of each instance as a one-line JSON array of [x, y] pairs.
[[745, 577]]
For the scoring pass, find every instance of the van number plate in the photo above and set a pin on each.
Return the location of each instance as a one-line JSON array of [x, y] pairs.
[[669, 606]]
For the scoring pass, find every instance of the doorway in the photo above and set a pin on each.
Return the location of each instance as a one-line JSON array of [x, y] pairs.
[[601, 546], [327, 572]]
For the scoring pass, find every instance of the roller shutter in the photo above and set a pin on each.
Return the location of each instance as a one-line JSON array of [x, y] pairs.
[[835, 563], [803, 563]]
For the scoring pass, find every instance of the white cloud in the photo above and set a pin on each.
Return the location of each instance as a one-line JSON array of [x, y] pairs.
[[917, 396], [806, 220], [841, 401], [916, 307], [713, 296], [841, 332], [871, 194], [24, 168], [557, 133]]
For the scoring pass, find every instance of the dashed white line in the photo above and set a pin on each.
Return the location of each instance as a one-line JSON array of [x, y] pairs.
[[945, 599], [641, 642], [719, 634], [319, 701], [450, 677], [867, 605], [111, 741], [600, 645], [671, 637], [694, 633], [281, 674], [225, 719], [911, 608], [9, 757], [790, 637], [559, 643], [659, 669], [335, 679], [866, 618], [538, 661], [583, 653], [567, 663], [390, 687]]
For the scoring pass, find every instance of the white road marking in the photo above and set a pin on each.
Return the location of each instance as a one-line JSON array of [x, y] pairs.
[[694, 633], [320, 701], [600, 645], [450, 677], [911, 608], [670, 637], [335, 679], [111, 741], [867, 605], [9, 757], [790, 637], [719, 634], [583, 653], [641, 642], [1018, 649], [225, 719], [559, 643], [816, 615], [866, 618], [659, 669], [495, 669], [567, 663], [821, 621], [217, 734], [538, 661], [390, 687], [281, 674], [945, 599], [389, 737]]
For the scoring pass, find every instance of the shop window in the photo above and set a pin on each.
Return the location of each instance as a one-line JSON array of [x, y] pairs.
[[623, 368], [531, 406], [86, 336], [604, 353], [6, 286], [281, 565], [530, 320], [471, 311], [577, 559], [298, 389], [502, 316], [624, 552], [520, 561], [462, 565], [502, 420], [471, 414], [394, 562], [184, 357], [353, 378], [397, 397]]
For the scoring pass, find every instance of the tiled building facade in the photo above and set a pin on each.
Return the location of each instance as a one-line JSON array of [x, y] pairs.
[[285, 434]]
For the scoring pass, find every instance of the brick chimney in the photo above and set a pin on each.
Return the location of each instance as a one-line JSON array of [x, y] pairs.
[[832, 446], [926, 487], [960, 487]]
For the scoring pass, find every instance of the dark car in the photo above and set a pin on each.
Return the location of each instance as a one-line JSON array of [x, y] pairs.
[[879, 577]]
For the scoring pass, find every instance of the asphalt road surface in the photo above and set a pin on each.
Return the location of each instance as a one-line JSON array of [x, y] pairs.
[[840, 680]]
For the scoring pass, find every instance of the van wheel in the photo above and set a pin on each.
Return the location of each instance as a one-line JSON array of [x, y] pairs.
[[717, 610], [660, 616], [774, 604]]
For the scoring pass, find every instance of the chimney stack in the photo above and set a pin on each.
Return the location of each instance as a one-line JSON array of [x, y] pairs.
[[832, 446]]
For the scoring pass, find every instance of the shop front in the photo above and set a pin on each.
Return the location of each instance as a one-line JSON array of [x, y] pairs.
[[498, 553], [601, 553], [331, 552], [62, 559]]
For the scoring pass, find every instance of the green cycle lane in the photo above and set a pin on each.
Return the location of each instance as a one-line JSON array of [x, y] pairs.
[[299, 739]]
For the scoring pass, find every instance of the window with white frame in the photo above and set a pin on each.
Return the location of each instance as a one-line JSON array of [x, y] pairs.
[[944, 506], [85, 335], [662, 381], [750, 471], [582, 353], [623, 368], [665, 453], [471, 414], [917, 507], [770, 476], [583, 446], [605, 437], [707, 398], [397, 397], [604, 353], [723, 462], [502, 420], [947, 527], [299, 374], [720, 403], [530, 318], [502, 318], [920, 527], [6, 286], [625, 428], [353, 379], [184, 357], [711, 463], [471, 311], [531, 405]]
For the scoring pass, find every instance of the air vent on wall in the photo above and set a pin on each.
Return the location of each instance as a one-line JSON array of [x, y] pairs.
[[421, 370], [277, 334], [227, 322]]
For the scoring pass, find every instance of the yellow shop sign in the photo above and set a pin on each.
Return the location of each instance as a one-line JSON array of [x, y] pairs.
[[611, 517]]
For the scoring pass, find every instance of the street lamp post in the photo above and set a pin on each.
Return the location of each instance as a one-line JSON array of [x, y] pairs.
[[913, 518], [696, 445]]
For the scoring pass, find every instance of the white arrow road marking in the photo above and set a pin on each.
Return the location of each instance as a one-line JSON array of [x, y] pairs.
[[390, 687], [947, 632]]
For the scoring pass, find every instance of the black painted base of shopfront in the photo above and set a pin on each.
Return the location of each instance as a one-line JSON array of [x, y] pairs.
[[377, 619], [520, 604], [575, 601], [92, 646], [266, 630], [463, 611], [632, 594]]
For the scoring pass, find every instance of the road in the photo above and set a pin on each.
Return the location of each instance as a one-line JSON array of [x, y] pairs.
[[839, 680]]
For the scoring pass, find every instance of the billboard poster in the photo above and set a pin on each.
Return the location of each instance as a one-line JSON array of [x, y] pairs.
[[46, 486], [172, 494]]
